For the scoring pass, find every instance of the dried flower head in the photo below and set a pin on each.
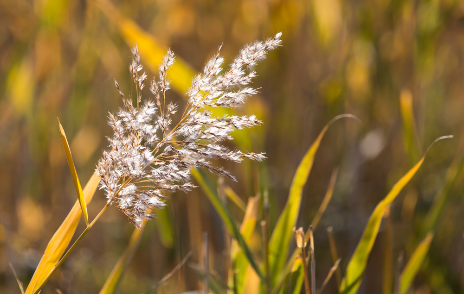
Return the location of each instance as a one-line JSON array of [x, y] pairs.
[[150, 158]]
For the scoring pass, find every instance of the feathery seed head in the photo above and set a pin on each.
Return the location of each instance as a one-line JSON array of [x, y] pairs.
[[148, 159]]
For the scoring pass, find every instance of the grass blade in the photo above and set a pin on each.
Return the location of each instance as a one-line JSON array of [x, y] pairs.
[[279, 243], [238, 257], [320, 211], [60, 240], [21, 288], [118, 270], [72, 169], [226, 217], [326, 200], [388, 255], [357, 264], [234, 197], [410, 130], [297, 278], [329, 275], [413, 265], [334, 254], [435, 212]]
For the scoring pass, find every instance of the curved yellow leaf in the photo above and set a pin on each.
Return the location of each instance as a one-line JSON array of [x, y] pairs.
[[357, 264], [60, 240], [72, 169]]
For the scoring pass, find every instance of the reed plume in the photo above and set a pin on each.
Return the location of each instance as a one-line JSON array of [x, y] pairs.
[[149, 157]]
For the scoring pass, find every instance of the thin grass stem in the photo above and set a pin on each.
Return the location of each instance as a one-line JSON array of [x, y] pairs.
[[313, 260], [205, 263], [329, 275], [333, 251]]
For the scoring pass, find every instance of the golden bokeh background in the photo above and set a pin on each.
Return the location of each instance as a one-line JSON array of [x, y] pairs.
[[397, 65]]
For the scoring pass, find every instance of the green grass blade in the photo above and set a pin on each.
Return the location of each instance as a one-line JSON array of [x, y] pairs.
[[226, 217], [116, 274], [436, 210], [282, 234], [72, 169], [411, 269], [357, 264], [297, 277], [328, 195], [164, 227]]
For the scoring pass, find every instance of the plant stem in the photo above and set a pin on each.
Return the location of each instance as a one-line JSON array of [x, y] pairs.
[[205, 263], [305, 270], [266, 241], [71, 249], [313, 261]]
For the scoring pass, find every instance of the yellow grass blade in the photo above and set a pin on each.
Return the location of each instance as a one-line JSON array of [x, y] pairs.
[[72, 168], [60, 240], [238, 257], [414, 263], [118, 270], [234, 197], [357, 264], [410, 130]]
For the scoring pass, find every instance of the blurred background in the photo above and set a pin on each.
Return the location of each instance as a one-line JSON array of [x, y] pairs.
[[397, 65]]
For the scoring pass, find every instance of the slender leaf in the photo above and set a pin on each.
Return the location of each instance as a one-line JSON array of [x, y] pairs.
[[20, 285], [234, 197], [297, 278], [164, 227], [325, 201], [238, 257], [282, 234], [320, 211], [72, 169], [60, 240], [118, 270], [410, 130], [414, 263], [357, 264], [388, 254], [436, 210], [226, 217], [329, 275]]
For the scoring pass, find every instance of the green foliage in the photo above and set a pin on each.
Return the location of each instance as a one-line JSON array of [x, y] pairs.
[[413, 265], [357, 264]]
